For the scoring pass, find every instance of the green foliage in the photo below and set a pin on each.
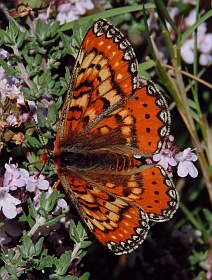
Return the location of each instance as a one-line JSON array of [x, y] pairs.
[[31, 256]]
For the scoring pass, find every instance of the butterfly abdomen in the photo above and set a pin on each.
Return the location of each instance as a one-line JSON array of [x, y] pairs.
[[103, 160]]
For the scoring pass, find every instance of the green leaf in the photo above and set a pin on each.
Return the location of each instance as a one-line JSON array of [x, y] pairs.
[[73, 232], [42, 200], [85, 276], [43, 79], [10, 254], [33, 142], [41, 120], [12, 30], [49, 203], [208, 215], [20, 39], [38, 246], [66, 42], [85, 244], [144, 67], [26, 248], [5, 38], [81, 230], [37, 60], [28, 219], [67, 75], [63, 263], [80, 254], [31, 208], [54, 221], [164, 15], [52, 114], [41, 30], [54, 27], [9, 70], [47, 261]]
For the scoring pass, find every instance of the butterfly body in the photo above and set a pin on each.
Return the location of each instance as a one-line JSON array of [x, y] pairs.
[[109, 115]]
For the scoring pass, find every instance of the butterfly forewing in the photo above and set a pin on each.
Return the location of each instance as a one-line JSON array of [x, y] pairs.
[[105, 76], [108, 116]]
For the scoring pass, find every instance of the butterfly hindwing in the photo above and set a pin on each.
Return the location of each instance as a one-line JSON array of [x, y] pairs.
[[137, 127], [119, 225]]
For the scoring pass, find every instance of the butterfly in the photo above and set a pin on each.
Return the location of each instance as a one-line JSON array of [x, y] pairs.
[[108, 116]]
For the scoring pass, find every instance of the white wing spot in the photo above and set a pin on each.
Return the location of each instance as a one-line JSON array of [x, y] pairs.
[[101, 43], [119, 76]]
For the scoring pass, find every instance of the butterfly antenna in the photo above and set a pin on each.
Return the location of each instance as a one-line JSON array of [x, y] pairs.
[[37, 126], [45, 157]]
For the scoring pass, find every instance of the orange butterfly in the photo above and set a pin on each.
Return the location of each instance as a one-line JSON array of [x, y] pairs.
[[110, 115]]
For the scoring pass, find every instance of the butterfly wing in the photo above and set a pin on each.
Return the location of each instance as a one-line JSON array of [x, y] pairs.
[[104, 78], [119, 225]]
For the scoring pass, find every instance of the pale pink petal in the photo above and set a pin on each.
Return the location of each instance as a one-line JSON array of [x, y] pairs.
[[182, 170], [193, 172]]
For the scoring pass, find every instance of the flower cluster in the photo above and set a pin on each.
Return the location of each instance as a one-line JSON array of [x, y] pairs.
[[204, 42], [171, 157], [204, 35], [19, 179], [13, 114], [68, 10]]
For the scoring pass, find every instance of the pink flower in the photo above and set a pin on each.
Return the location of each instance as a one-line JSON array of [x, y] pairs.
[[37, 184], [73, 10], [14, 177], [185, 165], [8, 203], [204, 42], [165, 159]]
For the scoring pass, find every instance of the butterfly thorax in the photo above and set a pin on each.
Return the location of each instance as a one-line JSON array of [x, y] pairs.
[[100, 160]]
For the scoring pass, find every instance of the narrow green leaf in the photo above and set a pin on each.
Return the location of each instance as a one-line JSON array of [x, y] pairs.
[[164, 15], [73, 232], [20, 39], [31, 208], [52, 114], [85, 276], [66, 42], [54, 221], [38, 246], [54, 27], [9, 70], [42, 200], [64, 263]]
